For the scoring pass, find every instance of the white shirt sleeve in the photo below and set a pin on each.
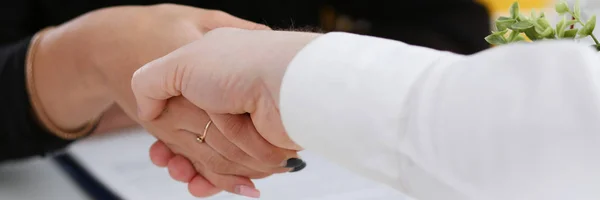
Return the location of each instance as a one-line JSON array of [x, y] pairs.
[[514, 122]]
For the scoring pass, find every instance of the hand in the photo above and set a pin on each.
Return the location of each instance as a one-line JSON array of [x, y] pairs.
[[145, 85], [229, 71], [232, 152], [84, 66], [112, 43]]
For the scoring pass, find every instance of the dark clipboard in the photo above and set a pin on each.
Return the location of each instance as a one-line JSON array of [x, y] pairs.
[[86, 181]]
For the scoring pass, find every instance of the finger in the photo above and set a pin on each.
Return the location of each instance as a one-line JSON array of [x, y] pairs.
[[189, 120], [160, 154], [240, 130], [217, 19], [214, 161], [200, 187], [181, 169], [152, 85], [232, 152], [230, 183], [267, 121], [217, 141]]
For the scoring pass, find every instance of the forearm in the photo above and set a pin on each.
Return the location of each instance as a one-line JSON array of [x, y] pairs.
[[451, 127], [20, 133], [70, 92], [357, 91]]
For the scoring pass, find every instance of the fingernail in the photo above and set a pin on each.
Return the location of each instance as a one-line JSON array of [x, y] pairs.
[[293, 162], [247, 191], [298, 168]]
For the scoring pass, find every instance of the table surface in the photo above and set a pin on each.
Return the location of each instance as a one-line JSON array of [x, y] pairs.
[[39, 178]]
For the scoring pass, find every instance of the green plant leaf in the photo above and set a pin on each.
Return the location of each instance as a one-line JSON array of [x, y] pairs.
[[589, 26], [570, 33], [561, 7], [522, 25], [542, 15], [504, 24], [512, 36], [543, 22], [522, 18], [546, 32], [533, 14], [503, 18], [532, 34], [560, 27], [495, 39], [577, 10], [500, 33], [514, 10]]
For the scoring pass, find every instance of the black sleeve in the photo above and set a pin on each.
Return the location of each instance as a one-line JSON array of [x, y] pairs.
[[20, 134]]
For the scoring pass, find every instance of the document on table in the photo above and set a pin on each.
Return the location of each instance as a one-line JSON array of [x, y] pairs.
[[121, 162]]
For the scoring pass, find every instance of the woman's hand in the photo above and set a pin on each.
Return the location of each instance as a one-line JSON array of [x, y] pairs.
[[231, 153], [103, 48], [83, 66], [229, 71]]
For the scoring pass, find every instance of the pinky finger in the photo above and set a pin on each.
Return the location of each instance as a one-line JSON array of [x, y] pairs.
[[181, 169], [230, 183]]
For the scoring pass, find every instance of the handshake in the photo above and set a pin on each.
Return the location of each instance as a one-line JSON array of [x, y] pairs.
[[213, 103], [432, 124], [208, 89]]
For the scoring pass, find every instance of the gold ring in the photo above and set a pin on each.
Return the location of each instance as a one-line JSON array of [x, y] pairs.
[[200, 138]]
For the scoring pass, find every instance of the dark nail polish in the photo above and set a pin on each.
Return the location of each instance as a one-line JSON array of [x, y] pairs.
[[293, 162], [299, 167]]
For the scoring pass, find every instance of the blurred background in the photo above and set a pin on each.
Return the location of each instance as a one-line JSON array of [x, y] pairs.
[[83, 171]]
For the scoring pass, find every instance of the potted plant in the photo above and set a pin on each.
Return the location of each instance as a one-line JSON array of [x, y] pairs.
[[518, 27]]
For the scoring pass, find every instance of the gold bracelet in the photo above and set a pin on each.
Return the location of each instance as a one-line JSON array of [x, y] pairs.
[[36, 104]]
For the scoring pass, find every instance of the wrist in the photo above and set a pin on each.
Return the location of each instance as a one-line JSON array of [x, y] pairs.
[[69, 91], [289, 45]]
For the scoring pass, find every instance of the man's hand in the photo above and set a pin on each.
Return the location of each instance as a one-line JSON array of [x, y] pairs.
[[229, 71]]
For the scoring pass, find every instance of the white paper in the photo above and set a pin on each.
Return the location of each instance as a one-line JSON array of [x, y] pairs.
[[121, 162]]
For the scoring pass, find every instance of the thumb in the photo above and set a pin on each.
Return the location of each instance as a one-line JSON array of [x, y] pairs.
[[268, 123], [152, 85]]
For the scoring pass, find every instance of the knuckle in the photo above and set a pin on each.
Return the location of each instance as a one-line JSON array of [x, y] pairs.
[[219, 165], [233, 128], [217, 14], [235, 154], [165, 6]]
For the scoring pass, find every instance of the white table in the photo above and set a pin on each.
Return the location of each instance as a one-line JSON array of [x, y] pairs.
[[37, 179], [120, 161]]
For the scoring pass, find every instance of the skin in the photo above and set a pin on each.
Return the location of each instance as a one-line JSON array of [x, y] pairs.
[[231, 74], [83, 68]]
